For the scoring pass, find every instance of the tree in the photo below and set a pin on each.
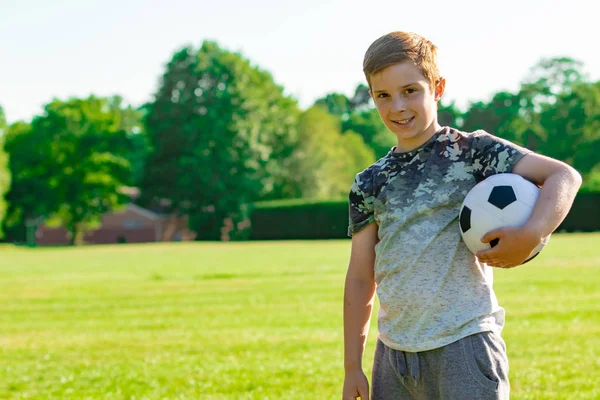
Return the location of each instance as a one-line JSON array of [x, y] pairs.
[[547, 80], [33, 169], [357, 114], [368, 125], [358, 155], [342, 106], [336, 104], [69, 164], [220, 131], [554, 113], [4, 171], [449, 115], [3, 124], [361, 98], [501, 117], [572, 127], [551, 77], [130, 121], [325, 161], [561, 108]]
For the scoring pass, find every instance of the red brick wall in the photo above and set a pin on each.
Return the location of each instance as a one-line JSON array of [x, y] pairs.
[[132, 225]]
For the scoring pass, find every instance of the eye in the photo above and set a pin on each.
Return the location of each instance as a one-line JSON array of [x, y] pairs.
[[382, 95], [410, 91]]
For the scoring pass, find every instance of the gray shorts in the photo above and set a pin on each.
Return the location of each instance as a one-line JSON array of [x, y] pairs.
[[472, 368]]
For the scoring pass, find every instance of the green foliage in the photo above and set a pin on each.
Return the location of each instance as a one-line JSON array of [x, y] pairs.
[[34, 173], [341, 106], [335, 103], [221, 131], [4, 171], [367, 123], [572, 128], [69, 164], [314, 219], [554, 113], [551, 77], [3, 124], [316, 162], [222, 134], [299, 219], [591, 181], [584, 215], [361, 98], [496, 117], [131, 122], [358, 115], [358, 155], [449, 115], [325, 162], [559, 115]]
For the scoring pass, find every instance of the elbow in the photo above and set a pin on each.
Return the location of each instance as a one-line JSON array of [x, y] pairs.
[[566, 177], [574, 177]]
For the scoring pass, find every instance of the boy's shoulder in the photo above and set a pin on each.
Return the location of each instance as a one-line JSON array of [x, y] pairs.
[[376, 167], [450, 143], [445, 137], [378, 171], [456, 135]]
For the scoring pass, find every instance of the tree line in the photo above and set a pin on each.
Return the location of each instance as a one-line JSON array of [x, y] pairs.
[[221, 134]]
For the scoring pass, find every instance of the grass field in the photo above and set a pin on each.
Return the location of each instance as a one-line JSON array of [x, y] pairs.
[[254, 321]]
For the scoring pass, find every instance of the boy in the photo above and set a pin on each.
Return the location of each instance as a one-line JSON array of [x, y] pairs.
[[439, 320]]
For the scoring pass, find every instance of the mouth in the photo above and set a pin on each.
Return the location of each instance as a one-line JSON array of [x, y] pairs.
[[403, 122]]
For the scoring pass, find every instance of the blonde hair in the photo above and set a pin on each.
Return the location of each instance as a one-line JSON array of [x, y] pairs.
[[397, 47]]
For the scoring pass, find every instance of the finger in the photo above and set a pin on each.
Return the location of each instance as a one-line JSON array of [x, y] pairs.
[[487, 254], [489, 260], [491, 235]]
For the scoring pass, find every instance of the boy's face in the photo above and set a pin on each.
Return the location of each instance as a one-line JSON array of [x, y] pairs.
[[406, 103]]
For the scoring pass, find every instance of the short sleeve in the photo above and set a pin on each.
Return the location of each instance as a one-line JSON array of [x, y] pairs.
[[361, 200], [492, 155]]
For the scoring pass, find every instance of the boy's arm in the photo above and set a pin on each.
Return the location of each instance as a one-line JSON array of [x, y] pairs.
[[560, 184], [359, 295]]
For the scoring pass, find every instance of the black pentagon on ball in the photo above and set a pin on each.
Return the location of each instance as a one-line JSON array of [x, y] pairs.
[[502, 196], [465, 219]]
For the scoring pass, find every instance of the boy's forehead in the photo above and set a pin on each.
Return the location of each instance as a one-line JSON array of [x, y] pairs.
[[397, 75]]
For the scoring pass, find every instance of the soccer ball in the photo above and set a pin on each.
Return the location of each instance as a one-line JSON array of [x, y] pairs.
[[498, 201]]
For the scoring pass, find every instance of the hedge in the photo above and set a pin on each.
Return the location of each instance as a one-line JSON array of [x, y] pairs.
[[301, 219]]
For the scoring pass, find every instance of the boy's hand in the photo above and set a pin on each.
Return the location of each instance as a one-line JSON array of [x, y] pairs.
[[356, 386], [515, 245]]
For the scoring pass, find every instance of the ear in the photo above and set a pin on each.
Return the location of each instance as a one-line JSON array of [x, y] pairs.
[[371, 94], [439, 88]]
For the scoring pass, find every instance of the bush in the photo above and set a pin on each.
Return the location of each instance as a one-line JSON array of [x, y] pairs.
[[584, 215], [299, 219], [303, 219]]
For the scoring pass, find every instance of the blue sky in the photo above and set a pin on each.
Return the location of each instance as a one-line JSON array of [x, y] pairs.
[[311, 47]]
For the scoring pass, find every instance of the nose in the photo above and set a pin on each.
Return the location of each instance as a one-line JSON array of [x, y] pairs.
[[399, 104]]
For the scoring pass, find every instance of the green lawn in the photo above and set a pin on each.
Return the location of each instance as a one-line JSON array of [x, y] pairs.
[[254, 321]]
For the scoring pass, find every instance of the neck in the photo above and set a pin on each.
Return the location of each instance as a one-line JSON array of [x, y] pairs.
[[411, 144]]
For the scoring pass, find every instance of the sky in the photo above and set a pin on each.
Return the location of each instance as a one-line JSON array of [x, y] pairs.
[[67, 48]]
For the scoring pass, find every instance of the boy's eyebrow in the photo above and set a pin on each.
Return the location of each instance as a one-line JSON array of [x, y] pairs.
[[401, 87]]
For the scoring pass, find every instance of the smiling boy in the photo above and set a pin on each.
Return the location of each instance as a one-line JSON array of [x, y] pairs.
[[439, 321]]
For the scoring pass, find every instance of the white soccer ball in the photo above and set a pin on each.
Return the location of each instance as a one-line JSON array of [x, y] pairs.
[[498, 201]]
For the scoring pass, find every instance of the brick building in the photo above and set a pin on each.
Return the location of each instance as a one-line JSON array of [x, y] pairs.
[[133, 224]]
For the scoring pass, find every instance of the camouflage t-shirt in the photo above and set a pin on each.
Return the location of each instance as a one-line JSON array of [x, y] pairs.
[[432, 290]]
